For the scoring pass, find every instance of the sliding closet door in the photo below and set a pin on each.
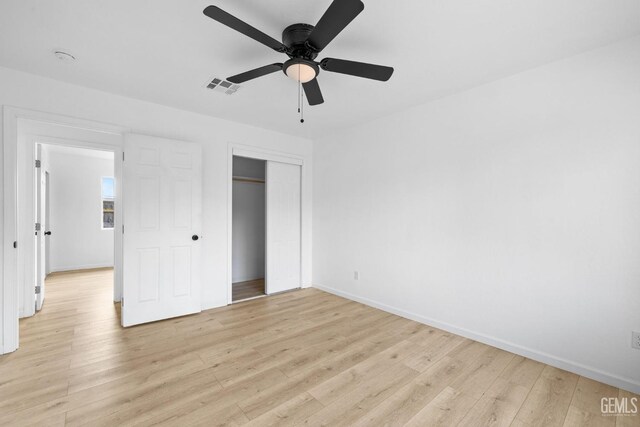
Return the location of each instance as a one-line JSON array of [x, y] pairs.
[[283, 227]]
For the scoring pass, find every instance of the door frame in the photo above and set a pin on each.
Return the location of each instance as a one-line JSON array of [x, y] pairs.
[[29, 255], [47, 217], [251, 152], [12, 252]]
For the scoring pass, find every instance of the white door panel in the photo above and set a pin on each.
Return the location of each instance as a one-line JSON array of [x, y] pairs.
[[41, 201], [283, 227], [162, 211]]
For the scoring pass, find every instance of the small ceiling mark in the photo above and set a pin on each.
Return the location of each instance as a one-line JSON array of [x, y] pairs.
[[64, 56]]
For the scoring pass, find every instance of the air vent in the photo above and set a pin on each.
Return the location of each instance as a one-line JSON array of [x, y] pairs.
[[223, 86]]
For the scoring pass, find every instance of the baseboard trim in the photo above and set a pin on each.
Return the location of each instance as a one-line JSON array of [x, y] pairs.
[[558, 362], [80, 268], [240, 280]]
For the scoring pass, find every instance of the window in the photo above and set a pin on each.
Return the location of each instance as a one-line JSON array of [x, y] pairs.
[[108, 194]]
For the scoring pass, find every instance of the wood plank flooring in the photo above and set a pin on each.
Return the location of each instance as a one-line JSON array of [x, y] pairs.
[[248, 289], [298, 358]]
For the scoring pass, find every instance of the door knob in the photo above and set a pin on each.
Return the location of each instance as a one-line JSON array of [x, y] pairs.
[[48, 233], [194, 237]]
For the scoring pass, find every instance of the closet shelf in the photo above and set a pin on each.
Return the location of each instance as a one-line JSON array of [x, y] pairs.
[[248, 179]]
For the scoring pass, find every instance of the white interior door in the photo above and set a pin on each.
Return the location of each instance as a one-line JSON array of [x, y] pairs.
[[41, 208], [283, 227], [162, 220]]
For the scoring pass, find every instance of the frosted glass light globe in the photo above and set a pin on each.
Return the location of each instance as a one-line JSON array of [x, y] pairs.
[[302, 73]]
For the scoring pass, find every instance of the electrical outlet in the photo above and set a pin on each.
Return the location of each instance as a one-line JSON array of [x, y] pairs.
[[635, 340], [356, 275]]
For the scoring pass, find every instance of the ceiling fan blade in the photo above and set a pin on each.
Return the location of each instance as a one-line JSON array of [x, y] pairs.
[[358, 69], [255, 73], [231, 21], [312, 90], [339, 14]]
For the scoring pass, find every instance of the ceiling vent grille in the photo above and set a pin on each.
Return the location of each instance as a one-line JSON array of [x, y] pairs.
[[223, 86]]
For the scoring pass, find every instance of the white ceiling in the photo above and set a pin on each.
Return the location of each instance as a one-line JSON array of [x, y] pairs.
[[166, 51]]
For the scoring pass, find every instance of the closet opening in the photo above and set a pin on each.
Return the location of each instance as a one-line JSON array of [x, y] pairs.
[[248, 228]]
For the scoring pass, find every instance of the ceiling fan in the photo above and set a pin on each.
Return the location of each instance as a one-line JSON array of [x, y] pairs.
[[302, 43]]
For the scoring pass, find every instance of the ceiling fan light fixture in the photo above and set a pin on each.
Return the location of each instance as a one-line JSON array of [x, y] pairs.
[[300, 70], [302, 43]]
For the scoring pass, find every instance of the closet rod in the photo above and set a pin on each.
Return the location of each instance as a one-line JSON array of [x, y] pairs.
[[248, 179]]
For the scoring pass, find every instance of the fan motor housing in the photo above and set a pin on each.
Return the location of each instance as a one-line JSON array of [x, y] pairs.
[[295, 38]]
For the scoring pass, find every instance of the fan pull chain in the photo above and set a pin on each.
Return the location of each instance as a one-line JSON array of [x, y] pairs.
[[301, 105], [300, 96], [299, 84]]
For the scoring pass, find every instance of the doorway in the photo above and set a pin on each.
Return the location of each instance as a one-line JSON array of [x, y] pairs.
[[74, 231], [248, 228], [159, 287]]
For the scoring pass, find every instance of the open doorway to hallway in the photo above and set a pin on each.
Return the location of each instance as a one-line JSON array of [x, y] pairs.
[[74, 237]]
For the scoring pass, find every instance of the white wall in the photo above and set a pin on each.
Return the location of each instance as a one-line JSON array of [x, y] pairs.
[[27, 91], [250, 168], [78, 240], [248, 245], [248, 231], [509, 213]]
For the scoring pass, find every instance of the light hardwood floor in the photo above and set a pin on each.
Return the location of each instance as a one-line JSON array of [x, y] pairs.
[[248, 289], [299, 358]]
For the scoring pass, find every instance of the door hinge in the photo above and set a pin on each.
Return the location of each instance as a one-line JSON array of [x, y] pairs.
[[15, 245], [123, 156], [122, 228], [38, 288], [37, 163]]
